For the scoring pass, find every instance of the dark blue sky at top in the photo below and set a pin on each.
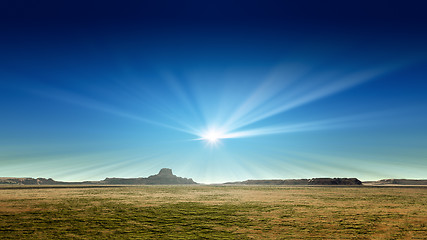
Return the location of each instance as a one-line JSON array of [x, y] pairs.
[[71, 71]]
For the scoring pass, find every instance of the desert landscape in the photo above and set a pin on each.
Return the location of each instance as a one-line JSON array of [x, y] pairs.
[[213, 212], [213, 119], [152, 208]]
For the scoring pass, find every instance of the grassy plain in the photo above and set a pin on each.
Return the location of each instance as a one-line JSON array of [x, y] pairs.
[[214, 212]]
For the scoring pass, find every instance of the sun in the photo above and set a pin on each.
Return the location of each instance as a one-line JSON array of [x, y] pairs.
[[212, 136]]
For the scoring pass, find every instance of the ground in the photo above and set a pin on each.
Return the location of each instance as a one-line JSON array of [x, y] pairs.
[[213, 212]]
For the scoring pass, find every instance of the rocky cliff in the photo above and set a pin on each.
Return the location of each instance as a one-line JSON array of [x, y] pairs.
[[164, 177]]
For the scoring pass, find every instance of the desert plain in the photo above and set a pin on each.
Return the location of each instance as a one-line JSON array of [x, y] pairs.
[[212, 212]]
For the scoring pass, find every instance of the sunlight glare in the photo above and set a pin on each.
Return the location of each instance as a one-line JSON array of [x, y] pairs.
[[212, 136]]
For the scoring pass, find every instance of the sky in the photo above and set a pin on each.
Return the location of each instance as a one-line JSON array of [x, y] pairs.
[[218, 91]]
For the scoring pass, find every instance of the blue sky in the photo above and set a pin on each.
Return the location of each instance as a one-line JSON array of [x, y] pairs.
[[218, 91]]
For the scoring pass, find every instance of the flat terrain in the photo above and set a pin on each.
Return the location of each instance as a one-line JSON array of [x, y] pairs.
[[213, 212]]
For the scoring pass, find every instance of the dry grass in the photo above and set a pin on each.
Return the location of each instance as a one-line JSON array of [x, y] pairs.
[[214, 212]]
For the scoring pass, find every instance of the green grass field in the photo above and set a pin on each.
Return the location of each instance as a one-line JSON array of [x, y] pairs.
[[214, 212]]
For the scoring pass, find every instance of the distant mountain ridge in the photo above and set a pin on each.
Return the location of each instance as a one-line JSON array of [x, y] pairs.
[[398, 182], [164, 177], [29, 181], [313, 181]]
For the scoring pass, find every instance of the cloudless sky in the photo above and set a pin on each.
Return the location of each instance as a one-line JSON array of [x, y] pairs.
[[291, 89]]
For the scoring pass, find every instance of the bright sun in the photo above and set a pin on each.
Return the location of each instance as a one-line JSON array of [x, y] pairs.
[[212, 136]]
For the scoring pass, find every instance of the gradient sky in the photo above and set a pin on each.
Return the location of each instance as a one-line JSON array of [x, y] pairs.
[[95, 89]]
